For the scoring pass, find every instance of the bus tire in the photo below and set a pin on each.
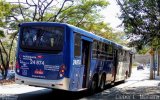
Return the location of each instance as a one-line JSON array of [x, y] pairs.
[[102, 83], [93, 86]]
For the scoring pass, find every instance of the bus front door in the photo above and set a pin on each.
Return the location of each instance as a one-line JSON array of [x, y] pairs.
[[86, 58]]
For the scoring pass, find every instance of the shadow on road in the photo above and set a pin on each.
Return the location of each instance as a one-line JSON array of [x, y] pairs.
[[49, 94]]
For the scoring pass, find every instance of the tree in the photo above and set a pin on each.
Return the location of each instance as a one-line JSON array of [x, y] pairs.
[[81, 13], [5, 53], [120, 37], [85, 14], [141, 20]]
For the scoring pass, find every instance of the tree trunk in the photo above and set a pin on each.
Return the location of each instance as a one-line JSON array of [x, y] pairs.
[[130, 66], [5, 74], [2, 72], [158, 63], [151, 63]]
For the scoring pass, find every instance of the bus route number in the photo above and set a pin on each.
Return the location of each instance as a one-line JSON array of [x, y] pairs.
[[36, 62]]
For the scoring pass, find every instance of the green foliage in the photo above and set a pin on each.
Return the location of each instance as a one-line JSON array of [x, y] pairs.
[[86, 15], [5, 8], [141, 19], [4, 11], [13, 34], [120, 37], [85, 12], [2, 34], [143, 50], [156, 43]]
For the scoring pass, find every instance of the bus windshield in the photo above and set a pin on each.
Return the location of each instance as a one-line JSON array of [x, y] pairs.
[[42, 38]]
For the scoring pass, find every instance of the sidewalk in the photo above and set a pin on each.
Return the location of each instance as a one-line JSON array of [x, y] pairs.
[[137, 87]]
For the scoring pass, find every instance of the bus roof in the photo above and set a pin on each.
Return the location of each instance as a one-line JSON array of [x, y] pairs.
[[79, 30]]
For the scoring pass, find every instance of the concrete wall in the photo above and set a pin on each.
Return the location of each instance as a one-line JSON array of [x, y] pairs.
[[141, 58]]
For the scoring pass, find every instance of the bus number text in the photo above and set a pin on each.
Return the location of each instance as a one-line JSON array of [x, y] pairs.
[[36, 62]]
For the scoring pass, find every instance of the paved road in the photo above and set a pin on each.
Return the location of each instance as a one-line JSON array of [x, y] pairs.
[[45, 94], [136, 87]]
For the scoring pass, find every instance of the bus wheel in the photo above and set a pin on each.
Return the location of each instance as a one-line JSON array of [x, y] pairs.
[[94, 85], [102, 83]]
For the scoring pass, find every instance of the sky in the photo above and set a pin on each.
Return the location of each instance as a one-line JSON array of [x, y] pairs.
[[111, 14]]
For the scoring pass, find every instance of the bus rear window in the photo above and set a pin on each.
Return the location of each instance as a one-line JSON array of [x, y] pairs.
[[42, 38]]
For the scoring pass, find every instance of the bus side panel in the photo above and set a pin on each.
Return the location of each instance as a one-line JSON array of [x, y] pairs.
[[125, 69], [74, 65], [76, 78], [119, 74], [68, 52], [122, 68], [99, 67], [108, 67], [93, 68]]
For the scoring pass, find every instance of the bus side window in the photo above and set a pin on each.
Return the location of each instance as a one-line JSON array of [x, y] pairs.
[[103, 51], [106, 48], [110, 52], [94, 52], [77, 45], [126, 56], [99, 49], [121, 56]]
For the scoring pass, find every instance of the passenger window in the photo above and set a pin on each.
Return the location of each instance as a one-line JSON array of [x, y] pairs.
[[110, 52], [94, 52], [77, 44]]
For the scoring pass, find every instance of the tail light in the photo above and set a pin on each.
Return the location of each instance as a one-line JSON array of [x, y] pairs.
[[62, 70], [17, 65]]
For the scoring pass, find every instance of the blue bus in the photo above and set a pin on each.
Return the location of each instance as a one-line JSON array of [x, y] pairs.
[[65, 57]]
